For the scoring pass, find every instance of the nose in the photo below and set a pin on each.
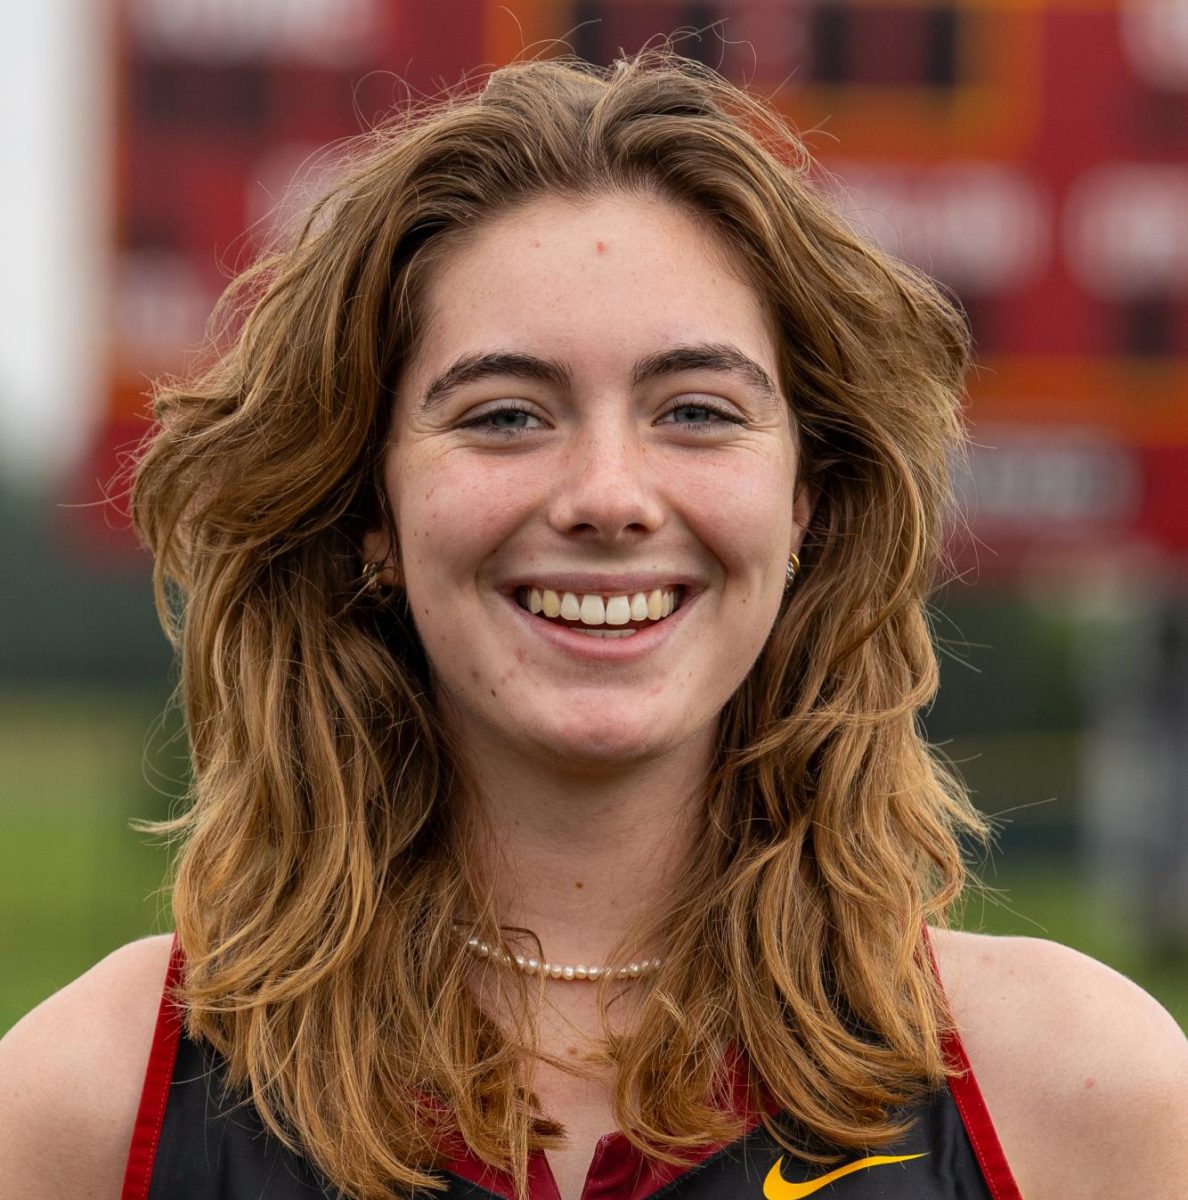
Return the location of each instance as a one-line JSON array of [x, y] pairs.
[[607, 490]]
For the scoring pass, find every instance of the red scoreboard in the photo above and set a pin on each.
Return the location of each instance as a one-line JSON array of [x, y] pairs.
[[1030, 154]]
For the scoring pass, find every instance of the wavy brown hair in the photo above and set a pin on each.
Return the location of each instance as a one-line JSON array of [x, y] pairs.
[[326, 854]]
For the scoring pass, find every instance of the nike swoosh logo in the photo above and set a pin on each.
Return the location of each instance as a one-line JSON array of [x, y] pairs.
[[776, 1187]]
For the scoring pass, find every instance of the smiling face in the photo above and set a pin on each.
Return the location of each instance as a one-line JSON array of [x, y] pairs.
[[592, 477]]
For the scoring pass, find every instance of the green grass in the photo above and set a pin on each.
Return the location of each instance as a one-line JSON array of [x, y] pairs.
[[75, 881]]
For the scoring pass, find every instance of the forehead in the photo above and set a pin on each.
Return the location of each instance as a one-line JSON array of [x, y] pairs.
[[602, 281]]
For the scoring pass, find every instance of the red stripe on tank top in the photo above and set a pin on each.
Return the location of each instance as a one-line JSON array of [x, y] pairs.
[[975, 1116], [150, 1116], [971, 1107]]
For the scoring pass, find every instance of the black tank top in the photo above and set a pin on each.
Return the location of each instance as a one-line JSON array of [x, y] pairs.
[[194, 1142]]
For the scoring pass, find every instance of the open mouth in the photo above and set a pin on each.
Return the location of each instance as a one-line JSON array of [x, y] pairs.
[[598, 615]]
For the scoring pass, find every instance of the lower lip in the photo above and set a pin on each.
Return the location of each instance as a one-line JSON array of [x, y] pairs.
[[599, 649]]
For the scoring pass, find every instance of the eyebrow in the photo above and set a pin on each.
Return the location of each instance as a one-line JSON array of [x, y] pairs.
[[473, 367], [705, 356]]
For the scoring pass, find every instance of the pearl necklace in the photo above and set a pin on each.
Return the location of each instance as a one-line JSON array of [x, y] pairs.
[[550, 970]]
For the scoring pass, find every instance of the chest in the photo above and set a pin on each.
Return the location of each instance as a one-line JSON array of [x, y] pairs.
[[195, 1143], [208, 1147]]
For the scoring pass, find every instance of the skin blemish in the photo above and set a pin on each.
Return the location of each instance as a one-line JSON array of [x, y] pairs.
[[492, 691], [1090, 1084], [601, 247], [579, 885]]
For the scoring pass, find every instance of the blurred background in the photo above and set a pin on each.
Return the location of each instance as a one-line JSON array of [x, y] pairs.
[[1032, 155]]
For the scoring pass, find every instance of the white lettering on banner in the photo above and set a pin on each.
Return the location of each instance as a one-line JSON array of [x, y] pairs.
[[1155, 36], [327, 32], [1126, 230], [1048, 482], [980, 227]]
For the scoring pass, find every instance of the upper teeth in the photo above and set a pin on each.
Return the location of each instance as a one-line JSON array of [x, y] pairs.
[[591, 609]]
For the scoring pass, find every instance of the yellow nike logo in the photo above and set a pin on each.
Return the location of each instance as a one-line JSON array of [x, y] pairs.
[[776, 1187]]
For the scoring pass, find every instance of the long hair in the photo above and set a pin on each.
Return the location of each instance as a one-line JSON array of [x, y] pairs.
[[325, 857]]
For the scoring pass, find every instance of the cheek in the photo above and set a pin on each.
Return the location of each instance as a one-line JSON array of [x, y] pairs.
[[450, 517], [745, 516]]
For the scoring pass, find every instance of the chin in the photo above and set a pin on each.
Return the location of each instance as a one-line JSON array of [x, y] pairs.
[[609, 746]]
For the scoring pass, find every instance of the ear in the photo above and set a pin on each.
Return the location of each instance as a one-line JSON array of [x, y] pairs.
[[804, 501], [377, 547]]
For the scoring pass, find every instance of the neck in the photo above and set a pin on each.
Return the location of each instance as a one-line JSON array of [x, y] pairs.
[[582, 856]]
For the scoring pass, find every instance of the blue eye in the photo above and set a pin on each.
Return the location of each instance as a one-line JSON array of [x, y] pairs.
[[507, 419], [510, 418], [700, 414], [695, 413]]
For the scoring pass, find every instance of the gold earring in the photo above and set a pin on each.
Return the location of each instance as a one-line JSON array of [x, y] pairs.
[[370, 579], [790, 574]]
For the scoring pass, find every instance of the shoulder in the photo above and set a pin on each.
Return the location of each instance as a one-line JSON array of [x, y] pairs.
[[71, 1075], [1084, 1074]]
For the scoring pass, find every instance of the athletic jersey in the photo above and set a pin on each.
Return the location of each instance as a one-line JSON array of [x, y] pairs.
[[192, 1141]]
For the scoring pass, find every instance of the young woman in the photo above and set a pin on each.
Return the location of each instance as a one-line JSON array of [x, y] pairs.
[[547, 554]]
